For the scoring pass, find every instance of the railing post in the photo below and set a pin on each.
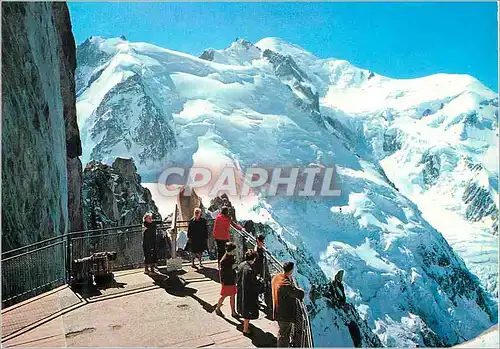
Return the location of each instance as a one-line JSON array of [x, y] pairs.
[[68, 258], [173, 233]]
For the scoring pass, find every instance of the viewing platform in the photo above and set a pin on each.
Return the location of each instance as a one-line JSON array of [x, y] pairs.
[[52, 297], [134, 310]]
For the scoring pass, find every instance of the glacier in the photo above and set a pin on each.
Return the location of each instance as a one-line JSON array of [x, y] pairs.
[[414, 227]]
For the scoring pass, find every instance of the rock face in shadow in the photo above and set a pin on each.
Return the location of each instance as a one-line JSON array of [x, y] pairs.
[[187, 203], [208, 55], [67, 68], [126, 105], [289, 73], [113, 195], [41, 181]]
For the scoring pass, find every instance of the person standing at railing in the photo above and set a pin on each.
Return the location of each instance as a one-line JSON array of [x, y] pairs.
[[197, 236], [248, 291], [285, 296], [221, 233], [260, 266], [260, 250], [149, 243], [227, 275]]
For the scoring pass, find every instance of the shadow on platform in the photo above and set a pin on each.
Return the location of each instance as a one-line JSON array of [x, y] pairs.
[[177, 287], [90, 290], [211, 273]]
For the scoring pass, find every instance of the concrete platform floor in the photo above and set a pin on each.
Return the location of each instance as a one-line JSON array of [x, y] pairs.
[[136, 310]]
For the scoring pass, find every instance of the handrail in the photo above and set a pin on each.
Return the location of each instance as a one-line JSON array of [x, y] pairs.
[[109, 234], [31, 251], [31, 245], [66, 235], [307, 339]]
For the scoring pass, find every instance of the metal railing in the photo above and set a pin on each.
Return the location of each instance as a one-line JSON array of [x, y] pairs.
[[126, 241], [33, 269]]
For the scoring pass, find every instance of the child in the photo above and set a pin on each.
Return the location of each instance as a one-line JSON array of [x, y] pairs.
[[227, 276]]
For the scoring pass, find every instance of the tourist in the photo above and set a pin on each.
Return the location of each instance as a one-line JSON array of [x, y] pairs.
[[149, 243], [248, 291], [260, 266], [259, 263], [221, 233], [227, 276], [285, 296], [197, 236]]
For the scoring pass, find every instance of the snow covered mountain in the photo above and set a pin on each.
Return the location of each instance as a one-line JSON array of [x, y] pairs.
[[273, 103], [437, 140]]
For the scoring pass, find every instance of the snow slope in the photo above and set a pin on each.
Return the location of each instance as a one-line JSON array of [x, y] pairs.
[[488, 339], [241, 109]]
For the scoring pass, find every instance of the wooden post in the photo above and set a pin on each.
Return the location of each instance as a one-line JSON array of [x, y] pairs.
[[173, 233]]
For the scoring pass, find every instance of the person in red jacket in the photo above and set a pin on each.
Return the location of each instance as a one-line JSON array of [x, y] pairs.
[[221, 231]]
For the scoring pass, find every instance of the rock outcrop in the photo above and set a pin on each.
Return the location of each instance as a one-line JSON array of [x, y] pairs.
[[187, 203], [208, 54], [129, 119], [289, 73], [40, 138], [480, 202], [113, 195]]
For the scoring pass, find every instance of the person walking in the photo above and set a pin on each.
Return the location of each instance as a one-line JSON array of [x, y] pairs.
[[248, 291], [285, 295], [227, 275], [197, 236], [221, 233], [149, 243]]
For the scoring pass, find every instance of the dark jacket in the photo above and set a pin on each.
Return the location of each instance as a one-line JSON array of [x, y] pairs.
[[228, 270], [258, 265], [285, 296], [198, 235], [149, 243], [248, 291]]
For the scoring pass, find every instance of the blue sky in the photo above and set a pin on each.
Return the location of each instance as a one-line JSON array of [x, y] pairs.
[[400, 40]]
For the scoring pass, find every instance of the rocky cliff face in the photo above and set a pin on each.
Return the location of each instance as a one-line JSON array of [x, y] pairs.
[[113, 195], [40, 138], [289, 73], [125, 105], [67, 68]]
